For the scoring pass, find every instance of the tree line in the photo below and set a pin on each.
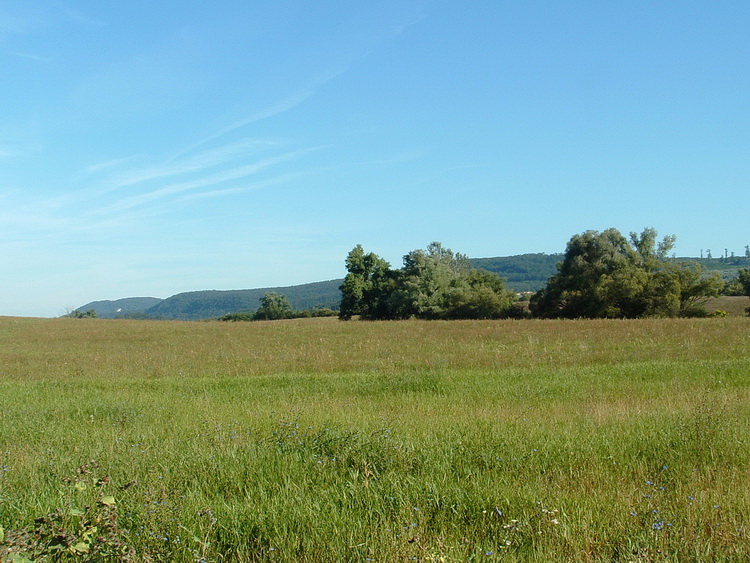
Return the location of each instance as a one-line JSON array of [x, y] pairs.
[[602, 275], [435, 283]]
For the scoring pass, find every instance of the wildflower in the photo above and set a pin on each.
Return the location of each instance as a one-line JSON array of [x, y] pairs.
[[634, 513], [658, 525], [555, 521], [512, 526]]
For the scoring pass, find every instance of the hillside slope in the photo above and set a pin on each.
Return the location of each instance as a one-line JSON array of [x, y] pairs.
[[126, 307], [195, 305], [524, 272]]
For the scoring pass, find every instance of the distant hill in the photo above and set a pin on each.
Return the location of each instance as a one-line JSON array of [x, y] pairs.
[[196, 305], [726, 267], [523, 272], [130, 306]]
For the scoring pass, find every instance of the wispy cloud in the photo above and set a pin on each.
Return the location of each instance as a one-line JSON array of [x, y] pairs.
[[175, 167], [106, 165], [408, 22], [8, 153], [276, 180], [79, 17], [213, 193], [284, 104], [94, 211], [10, 23], [211, 179], [30, 56]]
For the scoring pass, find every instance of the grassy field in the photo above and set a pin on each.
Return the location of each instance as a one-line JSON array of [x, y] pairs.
[[318, 440], [734, 306]]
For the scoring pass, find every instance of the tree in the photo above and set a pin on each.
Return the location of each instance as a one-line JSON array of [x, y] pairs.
[[596, 278], [366, 285], [695, 288], [428, 279], [744, 278], [273, 307], [605, 275], [89, 314], [481, 296], [435, 283]]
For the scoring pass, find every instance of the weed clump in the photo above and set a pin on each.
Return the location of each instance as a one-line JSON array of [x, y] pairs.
[[86, 529]]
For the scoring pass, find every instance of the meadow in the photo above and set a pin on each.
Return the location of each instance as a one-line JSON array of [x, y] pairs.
[[321, 440]]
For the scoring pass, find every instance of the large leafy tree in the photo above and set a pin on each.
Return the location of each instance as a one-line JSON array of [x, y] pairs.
[[605, 275], [272, 307], [695, 287], [365, 290], [744, 278], [428, 280], [595, 279], [435, 283], [482, 295]]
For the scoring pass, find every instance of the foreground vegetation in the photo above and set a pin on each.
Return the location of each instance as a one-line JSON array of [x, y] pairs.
[[316, 440]]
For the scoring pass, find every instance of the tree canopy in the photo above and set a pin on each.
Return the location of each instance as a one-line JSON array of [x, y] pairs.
[[605, 275], [272, 307], [435, 283], [743, 276]]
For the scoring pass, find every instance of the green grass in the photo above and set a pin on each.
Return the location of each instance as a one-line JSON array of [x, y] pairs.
[[317, 440]]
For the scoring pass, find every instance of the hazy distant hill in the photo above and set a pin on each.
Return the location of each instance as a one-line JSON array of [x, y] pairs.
[[196, 305], [524, 272], [726, 267], [120, 307]]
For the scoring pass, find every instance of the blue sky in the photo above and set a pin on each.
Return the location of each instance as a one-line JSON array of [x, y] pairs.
[[149, 148]]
